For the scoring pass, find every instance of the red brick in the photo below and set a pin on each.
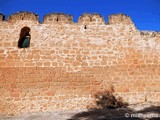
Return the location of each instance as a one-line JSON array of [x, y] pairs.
[[14, 94]]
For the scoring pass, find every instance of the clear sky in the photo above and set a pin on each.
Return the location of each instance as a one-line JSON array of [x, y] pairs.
[[144, 13]]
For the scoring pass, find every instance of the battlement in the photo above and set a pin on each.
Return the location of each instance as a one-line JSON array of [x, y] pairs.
[[58, 18], [1, 17], [119, 19], [91, 18], [23, 16]]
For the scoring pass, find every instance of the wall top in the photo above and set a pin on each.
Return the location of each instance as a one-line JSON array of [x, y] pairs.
[[23, 16], [2, 17], [68, 19], [58, 17], [91, 18], [119, 18]]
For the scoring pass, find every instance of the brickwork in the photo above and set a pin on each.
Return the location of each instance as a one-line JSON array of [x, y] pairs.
[[67, 62]]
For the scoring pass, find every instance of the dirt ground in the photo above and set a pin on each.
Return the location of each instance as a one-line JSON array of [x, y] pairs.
[[41, 116], [141, 111]]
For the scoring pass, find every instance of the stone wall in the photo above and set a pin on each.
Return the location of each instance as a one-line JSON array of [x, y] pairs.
[[67, 63]]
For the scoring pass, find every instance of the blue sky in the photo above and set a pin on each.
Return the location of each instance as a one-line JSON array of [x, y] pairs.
[[144, 13]]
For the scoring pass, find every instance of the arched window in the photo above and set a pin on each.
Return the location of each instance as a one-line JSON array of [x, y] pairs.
[[24, 38]]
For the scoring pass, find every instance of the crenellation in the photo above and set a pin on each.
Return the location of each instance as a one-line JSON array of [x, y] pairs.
[[97, 18], [85, 19], [94, 19], [120, 19], [2, 17], [58, 18], [23, 16]]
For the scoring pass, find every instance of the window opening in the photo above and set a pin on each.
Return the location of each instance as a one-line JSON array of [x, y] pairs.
[[24, 38], [85, 27]]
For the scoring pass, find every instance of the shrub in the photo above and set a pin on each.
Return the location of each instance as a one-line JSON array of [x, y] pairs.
[[106, 99]]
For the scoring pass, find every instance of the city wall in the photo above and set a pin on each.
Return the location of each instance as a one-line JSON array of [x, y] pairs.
[[67, 63]]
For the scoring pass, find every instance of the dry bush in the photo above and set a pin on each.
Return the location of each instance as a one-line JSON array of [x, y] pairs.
[[106, 99]]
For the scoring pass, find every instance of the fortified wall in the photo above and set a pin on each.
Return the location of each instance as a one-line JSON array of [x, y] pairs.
[[67, 62]]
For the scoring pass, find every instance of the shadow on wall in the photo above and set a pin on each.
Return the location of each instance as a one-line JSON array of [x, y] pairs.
[[108, 107]]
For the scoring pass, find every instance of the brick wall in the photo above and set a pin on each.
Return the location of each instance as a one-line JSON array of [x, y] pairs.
[[67, 62]]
